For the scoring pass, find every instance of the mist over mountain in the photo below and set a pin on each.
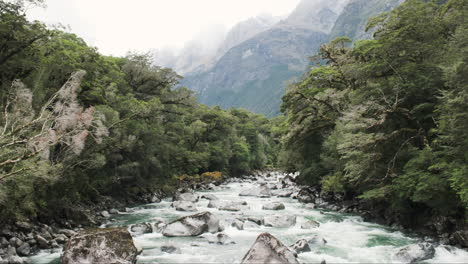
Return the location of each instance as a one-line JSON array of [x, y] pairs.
[[261, 56]]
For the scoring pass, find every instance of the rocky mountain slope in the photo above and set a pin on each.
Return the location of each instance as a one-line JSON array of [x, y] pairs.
[[254, 73]]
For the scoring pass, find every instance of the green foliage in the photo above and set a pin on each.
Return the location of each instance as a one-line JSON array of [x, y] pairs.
[[386, 119], [145, 132]]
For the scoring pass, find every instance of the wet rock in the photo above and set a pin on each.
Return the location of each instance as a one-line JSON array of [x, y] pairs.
[[256, 220], [268, 249], [61, 239], [317, 240], [459, 238], [192, 225], [279, 220], [305, 196], [24, 250], [227, 205], [310, 224], [220, 239], [184, 206], [288, 181], [4, 242], [67, 232], [185, 196], [143, 228], [105, 214], [112, 245], [114, 211], [415, 253], [232, 207], [301, 246], [42, 242], [310, 206], [155, 199], [273, 206], [16, 260], [171, 249], [16, 242], [238, 224], [285, 193], [210, 197]]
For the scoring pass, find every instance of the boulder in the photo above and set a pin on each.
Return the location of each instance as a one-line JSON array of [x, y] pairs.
[[142, 228], [233, 222], [210, 197], [16, 242], [67, 232], [16, 260], [192, 225], [317, 240], [114, 211], [279, 220], [256, 220], [301, 246], [227, 205], [305, 196], [220, 239], [105, 214], [460, 238], [25, 226], [111, 245], [273, 206], [184, 206], [171, 249], [310, 206], [185, 196], [310, 224], [24, 250], [288, 181], [415, 253], [42, 242], [268, 249], [285, 193]]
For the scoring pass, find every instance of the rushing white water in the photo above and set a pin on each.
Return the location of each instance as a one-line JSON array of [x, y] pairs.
[[350, 240]]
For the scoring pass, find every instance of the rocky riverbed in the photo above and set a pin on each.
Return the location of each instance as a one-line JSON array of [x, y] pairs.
[[259, 218]]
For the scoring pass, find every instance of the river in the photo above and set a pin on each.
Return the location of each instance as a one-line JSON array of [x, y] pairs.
[[349, 238]]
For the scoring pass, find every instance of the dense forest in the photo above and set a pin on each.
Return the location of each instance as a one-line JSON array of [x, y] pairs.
[[77, 125], [385, 119]]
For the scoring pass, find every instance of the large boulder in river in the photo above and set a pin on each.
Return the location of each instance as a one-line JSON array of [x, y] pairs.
[[279, 220], [185, 196], [192, 225], [268, 249], [184, 206], [305, 196], [273, 206], [415, 253], [261, 191], [111, 245]]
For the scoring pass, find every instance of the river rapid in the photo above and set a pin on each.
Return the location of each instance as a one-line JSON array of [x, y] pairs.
[[349, 238]]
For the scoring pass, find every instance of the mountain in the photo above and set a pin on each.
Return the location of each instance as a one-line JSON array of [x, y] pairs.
[[352, 22], [254, 73], [204, 50]]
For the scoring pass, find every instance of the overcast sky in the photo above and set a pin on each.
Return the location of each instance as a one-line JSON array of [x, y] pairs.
[[118, 26]]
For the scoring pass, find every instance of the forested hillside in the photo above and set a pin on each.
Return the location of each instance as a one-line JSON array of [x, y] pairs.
[[385, 120], [77, 125]]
